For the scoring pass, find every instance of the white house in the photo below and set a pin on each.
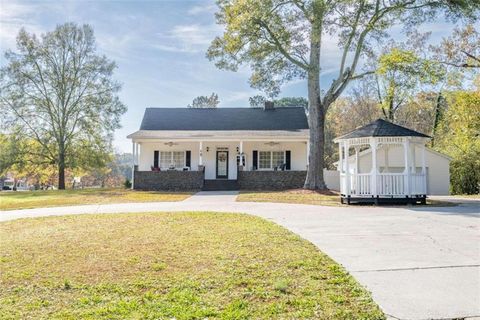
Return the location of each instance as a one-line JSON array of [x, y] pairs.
[[383, 162], [224, 148]]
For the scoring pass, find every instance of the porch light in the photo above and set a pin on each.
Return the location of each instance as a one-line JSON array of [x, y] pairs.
[[208, 149]]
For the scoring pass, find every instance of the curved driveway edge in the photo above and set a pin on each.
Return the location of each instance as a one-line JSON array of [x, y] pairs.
[[418, 262]]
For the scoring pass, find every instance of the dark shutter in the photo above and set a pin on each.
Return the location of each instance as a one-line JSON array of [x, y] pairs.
[[255, 159], [288, 156], [188, 157], [155, 159]]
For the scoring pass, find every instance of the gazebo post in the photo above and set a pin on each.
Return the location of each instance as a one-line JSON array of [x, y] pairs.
[[340, 166], [424, 170], [406, 147], [347, 170], [356, 160], [373, 172], [340, 156]]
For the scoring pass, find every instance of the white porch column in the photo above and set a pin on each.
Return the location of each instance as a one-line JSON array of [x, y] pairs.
[[406, 147], [424, 169], [347, 168], [374, 171], [133, 162], [242, 156], [137, 158], [200, 153]]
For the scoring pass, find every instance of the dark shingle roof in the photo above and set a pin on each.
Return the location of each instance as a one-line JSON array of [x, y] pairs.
[[382, 128], [284, 118]]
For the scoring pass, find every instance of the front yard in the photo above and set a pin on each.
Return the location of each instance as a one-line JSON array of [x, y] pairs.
[[299, 196], [170, 266], [10, 200]]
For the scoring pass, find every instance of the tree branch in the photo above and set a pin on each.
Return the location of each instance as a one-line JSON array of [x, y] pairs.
[[280, 46]]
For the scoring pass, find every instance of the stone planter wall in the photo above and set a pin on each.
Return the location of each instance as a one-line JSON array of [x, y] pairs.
[[168, 180], [271, 180]]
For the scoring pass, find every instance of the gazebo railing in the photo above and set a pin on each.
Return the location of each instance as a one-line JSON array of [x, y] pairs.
[[361, 184], [387, 184], [418, 183], [391, 184]]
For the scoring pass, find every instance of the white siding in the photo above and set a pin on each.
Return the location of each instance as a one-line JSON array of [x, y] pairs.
[[298, 154], [147, 149], [438, 174], [332, 179]]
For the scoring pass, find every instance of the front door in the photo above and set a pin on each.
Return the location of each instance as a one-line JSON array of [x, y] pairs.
[[222, 164]]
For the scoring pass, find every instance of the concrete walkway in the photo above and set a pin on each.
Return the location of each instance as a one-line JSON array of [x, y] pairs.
[[418, 262]]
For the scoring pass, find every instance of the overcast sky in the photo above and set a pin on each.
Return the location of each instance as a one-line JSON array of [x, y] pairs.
[[159, 47]]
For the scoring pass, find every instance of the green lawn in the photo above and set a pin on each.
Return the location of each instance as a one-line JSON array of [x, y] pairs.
[[467, 196], [34, 199], [170, 266], [291, 196], [300, 196]]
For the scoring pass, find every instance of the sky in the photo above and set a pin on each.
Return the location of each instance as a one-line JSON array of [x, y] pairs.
[[159, 47]]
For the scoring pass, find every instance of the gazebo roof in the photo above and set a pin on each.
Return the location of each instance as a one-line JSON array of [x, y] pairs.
[[382, 128]]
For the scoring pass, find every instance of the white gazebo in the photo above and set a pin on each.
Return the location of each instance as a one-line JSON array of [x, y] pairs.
[[394, 171]]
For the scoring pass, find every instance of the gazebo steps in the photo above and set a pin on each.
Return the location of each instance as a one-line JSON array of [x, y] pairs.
[[416, 199]]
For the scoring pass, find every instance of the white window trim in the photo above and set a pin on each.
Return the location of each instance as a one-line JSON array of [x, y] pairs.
[[271, 159], [171, 158]]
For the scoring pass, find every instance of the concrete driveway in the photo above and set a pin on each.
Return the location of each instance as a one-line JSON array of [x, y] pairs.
[[418, 262]]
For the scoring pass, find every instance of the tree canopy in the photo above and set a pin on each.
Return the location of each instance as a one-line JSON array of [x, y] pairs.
[[205, 101], [282, 40], [58, 92]]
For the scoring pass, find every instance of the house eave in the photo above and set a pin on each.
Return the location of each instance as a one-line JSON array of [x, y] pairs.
[[216, 135]]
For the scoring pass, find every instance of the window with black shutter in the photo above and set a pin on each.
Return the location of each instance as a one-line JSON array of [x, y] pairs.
[[155, 158], [188, 157]]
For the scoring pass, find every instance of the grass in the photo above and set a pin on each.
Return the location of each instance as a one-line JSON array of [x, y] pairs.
[[170, 266], [467, 196], [292, 196], [34, 199], [301, 196]]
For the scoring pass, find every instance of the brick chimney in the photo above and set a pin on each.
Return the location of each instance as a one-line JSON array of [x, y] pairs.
[[268, 106]]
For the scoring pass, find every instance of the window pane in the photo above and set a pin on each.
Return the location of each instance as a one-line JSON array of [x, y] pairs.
[[179, 159], [278, 158], [264, 160], [165, 159]]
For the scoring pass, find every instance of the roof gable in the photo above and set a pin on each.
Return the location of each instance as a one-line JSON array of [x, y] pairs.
[[284, 118], [382, 128]]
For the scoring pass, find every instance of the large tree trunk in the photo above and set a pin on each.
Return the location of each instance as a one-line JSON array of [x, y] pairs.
[[61, 170], [316, 122], [316, 111]]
